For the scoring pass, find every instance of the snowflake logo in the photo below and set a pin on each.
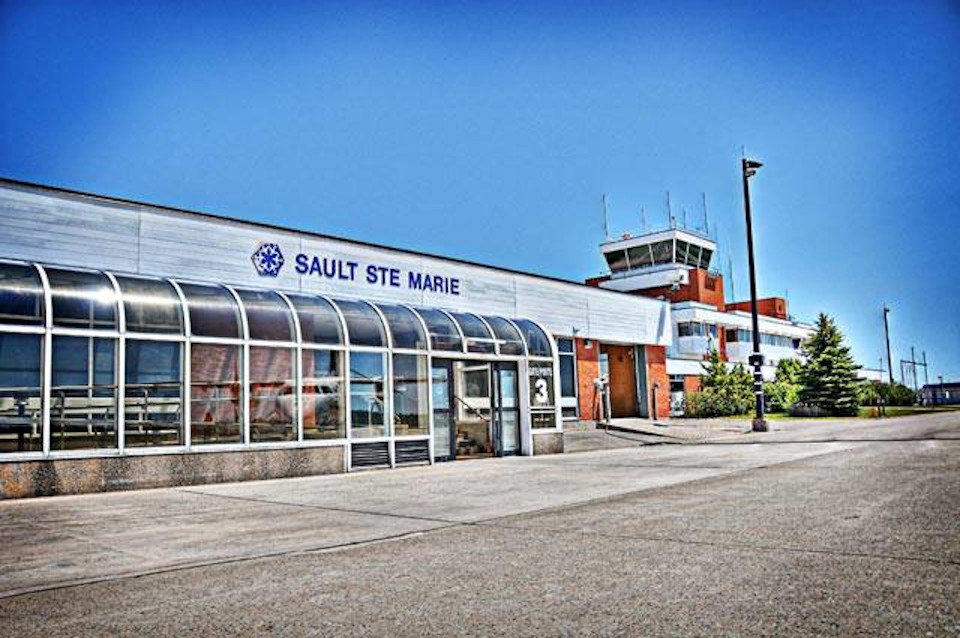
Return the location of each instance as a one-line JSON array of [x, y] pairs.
[[268, 259]]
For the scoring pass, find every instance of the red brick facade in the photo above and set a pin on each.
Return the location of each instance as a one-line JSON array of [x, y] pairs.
[[657, 379], [588, 369]]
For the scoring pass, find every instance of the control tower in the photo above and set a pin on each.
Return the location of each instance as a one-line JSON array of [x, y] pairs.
[[656, 260]]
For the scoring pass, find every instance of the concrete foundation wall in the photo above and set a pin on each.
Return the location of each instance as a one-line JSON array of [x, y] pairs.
[[547, 443], [50, 477]]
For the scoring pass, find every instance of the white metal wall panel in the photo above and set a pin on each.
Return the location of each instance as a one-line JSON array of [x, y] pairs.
[[50, 226], [63, 230]]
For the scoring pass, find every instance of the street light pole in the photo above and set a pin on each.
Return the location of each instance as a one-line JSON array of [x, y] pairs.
[[749, 168], [886, 332]]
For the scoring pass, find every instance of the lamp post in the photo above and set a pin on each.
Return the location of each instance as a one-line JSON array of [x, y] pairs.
[[886, 332], [749, 168]]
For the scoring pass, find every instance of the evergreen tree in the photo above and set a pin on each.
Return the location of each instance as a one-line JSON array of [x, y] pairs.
[[829, 376]]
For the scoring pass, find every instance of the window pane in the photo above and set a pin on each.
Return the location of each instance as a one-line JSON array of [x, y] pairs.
[[82, 299], [538, 344], [411, 412], [213, 311], [319, 322], [215, 414], [662, 251], [83, 393], [443, 332], [150, 305], [568, 376], [324, 410], [404, 326], [565, 345], [705, 256], [273, 395], [617, 260], [153, 405], [21, 421], [367, 409], [511, 342], [268, 316], [639, 256], [21, 295], [364, 327], [473, 328]]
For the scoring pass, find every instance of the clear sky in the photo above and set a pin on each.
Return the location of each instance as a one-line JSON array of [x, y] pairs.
[[488, 130]]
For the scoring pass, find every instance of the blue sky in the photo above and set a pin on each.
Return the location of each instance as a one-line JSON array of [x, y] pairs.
[[487, 131]]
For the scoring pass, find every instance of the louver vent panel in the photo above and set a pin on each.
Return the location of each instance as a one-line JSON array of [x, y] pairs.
[[413, 451], [370, 454]]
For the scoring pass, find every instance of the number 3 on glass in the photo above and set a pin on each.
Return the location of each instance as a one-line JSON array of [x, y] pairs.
[[541, 397]]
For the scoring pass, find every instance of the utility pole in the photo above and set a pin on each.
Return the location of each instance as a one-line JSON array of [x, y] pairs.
[[749, 169], [913, 366], [926, 376], [886, 332]]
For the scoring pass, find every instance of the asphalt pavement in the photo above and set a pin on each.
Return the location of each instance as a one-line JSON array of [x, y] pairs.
[[826, 528]]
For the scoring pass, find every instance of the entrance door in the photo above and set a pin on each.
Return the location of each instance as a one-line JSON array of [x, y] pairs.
[[506, 424], [623, 380], [473, 407], [444, 432]]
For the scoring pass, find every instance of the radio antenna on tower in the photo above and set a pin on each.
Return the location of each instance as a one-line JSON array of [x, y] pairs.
[[733, 288], [643, 220], [683, 212], [706, 221], [673, 223], [603, 211]]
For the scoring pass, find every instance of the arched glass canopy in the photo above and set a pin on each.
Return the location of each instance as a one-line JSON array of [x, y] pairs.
[[141, 362], [405, 328]]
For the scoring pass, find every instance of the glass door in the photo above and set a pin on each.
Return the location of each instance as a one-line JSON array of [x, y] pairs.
[[507, 414], [443, 414]]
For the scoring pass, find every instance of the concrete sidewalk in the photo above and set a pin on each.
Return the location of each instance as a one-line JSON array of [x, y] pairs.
[[59, 541]]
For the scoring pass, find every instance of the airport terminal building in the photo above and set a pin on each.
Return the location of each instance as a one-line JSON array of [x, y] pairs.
[[147, 346]]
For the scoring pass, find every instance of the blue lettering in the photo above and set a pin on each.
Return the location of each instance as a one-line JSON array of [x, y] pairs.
[[302, 266], [455, 286], [315, 268], [394, 278], [371, 274], [415, 280]]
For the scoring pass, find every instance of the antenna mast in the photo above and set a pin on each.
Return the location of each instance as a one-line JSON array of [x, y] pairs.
[[643, 220], [706, 221], [673, 223], [733, 289], [603, 211]]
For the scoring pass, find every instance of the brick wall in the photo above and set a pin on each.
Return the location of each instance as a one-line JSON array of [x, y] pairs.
[[657, 374], [588, 369]]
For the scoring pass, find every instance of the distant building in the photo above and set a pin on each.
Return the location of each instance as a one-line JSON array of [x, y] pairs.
[[940, 393], [674, 265]]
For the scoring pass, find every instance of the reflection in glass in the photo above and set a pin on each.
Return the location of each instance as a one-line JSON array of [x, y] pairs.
[[319, 322], [215, 414], [538, 344], [324, 412], [153, 394], [405, 328], [83, 393], [21, 295], [150, 305], [364, 326], [367, 407], [82, 299], [478, 335], [508, 335], [268, 316], [21, 420], [273, 395], [443, 332], [410, 400], [213, 311]]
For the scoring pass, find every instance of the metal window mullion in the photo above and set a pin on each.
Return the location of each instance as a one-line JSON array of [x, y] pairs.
[[119, 364], [245, 391], [430, 424], [186, 390], [463, 337], [47, 359], [297, 366], [348, 417], [388, 409]]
